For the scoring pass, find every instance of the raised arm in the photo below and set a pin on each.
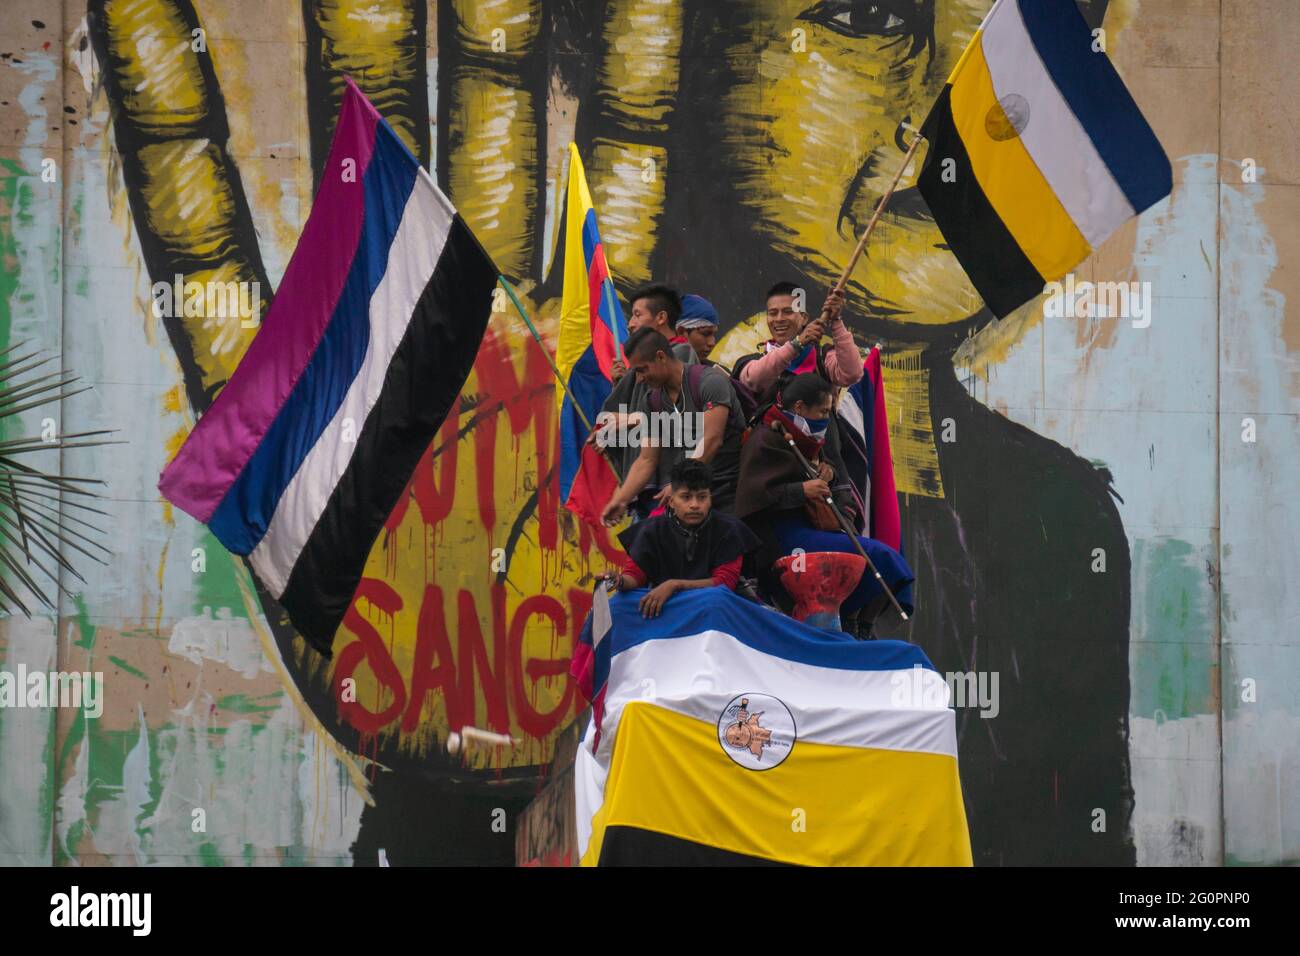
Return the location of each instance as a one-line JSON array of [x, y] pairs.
[[843, 360]]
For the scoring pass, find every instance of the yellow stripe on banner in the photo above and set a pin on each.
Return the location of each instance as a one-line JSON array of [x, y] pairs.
[[574, 335], [1008, 175], [823, 805]]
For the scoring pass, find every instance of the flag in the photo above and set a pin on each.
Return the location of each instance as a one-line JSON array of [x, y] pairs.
[[590, 320], [865, 449], [722, 723], [582, 667], [370, 337], [1037, 152]]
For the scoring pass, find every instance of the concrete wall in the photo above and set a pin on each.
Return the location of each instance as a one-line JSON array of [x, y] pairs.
[[1151, 703]]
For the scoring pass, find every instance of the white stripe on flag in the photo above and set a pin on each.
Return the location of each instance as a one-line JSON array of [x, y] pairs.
[[412, 258], [602, 621], [850, 413], [1053, 136], [699, 676], [588, 788]]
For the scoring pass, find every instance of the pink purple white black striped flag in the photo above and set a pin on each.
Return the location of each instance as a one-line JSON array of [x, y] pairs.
[[367, 343]]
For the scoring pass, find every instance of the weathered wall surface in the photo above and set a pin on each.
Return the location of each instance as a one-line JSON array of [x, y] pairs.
[[1099, 509]]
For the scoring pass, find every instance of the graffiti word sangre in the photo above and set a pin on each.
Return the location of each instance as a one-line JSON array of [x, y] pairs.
[[102, 909], [208, 300], [80, 689], [923, 688], [622, 429], [1099, 300]]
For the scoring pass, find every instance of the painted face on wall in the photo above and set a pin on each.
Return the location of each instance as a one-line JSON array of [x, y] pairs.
[[832, 102]]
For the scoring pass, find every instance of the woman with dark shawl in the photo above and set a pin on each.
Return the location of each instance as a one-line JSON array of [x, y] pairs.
[[787, 509]]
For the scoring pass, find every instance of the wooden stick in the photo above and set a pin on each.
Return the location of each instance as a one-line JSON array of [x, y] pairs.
[[846, 527], [875, 217], [519, 307]]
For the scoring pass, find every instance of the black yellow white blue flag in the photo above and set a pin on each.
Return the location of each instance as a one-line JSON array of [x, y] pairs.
[[724, 732], [1036, 151]]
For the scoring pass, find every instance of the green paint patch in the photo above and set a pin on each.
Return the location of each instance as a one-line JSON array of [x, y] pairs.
[[243, 704], [218, 585], [1173, 666], [1232, 860], [11, 177], [84, 627], [209, 855], [123, 665]]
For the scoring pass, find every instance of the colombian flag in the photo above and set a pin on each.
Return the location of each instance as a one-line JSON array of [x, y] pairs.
[[723, 732], [1037, 152], [591, 328]]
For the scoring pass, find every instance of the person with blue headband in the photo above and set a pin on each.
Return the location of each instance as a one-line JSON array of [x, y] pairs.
[[698, 324]]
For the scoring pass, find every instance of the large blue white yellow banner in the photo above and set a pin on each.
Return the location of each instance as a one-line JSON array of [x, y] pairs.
[[725, 732]]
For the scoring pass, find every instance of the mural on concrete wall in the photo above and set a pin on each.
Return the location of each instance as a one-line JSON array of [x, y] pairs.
[[727, 145]]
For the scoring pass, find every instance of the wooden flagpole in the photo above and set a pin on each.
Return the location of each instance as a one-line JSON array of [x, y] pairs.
[[844, 525], [519, 307], [875, 217]]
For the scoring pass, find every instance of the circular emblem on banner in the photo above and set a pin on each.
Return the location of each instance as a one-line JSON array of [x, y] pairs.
[[1007, 118], [757, 731]]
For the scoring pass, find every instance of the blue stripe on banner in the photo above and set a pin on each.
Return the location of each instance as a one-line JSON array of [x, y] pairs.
[[590, 239], [764, 630], [1099, 99], [241, 518], [591, 389]]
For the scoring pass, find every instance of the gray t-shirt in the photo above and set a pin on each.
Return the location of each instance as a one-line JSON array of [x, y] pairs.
[[630, 393], [682, 423]]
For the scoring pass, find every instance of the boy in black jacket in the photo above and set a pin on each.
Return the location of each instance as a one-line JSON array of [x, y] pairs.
[[689, 546]]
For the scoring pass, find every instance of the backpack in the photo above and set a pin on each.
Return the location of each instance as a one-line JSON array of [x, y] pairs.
[[691, 381], [751, 407]]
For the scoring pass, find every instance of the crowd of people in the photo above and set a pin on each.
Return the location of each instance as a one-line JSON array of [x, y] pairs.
[[764, 474]]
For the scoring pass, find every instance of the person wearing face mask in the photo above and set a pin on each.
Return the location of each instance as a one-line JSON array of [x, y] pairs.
[[796, 348], [788, 510]]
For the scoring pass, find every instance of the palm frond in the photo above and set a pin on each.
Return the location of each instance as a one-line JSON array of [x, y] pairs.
[[37, 532]]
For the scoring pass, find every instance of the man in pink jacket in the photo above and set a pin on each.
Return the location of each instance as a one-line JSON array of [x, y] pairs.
[[794, 347]]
